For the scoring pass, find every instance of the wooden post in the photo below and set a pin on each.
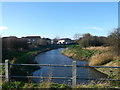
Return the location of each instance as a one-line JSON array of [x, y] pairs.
[[74, 73], [7, 71]]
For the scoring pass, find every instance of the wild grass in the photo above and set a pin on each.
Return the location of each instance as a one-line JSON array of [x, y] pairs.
[[99, 85], [48, 84], [106, 58], [15, 85], [100, 48], [101, 59], [96, 56], [51, 85], [76, 52]]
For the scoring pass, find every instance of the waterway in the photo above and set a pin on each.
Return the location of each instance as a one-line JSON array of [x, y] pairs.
[[55, 57]]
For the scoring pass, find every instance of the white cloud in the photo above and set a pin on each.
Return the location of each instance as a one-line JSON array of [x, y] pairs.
[[3, 28], [94, 28]]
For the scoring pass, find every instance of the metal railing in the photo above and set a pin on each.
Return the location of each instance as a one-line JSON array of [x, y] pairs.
[[74, 67]]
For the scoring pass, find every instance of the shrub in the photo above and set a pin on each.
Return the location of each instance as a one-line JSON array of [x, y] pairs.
[[54, 85], [12, 85], [30, 85]]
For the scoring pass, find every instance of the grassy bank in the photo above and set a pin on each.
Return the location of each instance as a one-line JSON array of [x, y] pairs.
[[106, 58], [50, 85], [96, 56], [33, 85], [78, 53], [20, 57], [25, 57], [77, 50]]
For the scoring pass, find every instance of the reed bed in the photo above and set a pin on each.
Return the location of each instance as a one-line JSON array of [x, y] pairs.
[[101, 59], [100, 48]]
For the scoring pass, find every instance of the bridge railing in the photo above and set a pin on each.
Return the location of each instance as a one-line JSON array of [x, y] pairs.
[[74, 67]]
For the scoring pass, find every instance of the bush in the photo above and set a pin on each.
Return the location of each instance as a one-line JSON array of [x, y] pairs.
[[54, 85], [12, 85]]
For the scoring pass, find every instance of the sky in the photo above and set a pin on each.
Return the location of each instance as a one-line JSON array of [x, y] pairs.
[[61, 19]]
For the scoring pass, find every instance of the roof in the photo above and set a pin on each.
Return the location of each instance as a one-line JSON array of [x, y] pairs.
[[10, 37], [46, 38], [65, 39], [32, 37]]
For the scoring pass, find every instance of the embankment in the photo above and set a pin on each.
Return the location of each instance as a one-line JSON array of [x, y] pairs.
[[76, 52], [96, 56], [106, 58], [25, 57]]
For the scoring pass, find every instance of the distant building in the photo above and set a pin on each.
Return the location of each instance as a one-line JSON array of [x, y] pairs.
[[14, 43], [32, 39], [54, 41], [64, 41], [10, 37], [47, 40]]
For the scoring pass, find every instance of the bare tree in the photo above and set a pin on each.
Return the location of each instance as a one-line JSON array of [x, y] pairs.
[[77, 36], [86, 35], [114, 41]]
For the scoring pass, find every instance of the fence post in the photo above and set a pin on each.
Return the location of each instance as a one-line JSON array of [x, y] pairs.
[[7, 71], [74, 73]]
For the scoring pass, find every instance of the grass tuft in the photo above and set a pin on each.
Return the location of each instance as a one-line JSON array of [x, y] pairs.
[[101, 59]]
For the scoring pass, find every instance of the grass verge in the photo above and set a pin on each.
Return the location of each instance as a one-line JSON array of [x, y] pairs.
[[25, 57], [76, 52], [106, 58], [43, 85], [96, 56]]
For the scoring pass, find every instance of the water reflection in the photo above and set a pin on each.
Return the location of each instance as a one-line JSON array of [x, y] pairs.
[[55, 57]]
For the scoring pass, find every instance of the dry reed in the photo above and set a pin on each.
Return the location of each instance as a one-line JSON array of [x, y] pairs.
[[100, 59], [100, 48]]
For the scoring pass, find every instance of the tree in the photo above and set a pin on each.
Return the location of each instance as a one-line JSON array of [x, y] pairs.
[[77, 36], [86, 35], [85, 41], [114, 41], [89, 40]]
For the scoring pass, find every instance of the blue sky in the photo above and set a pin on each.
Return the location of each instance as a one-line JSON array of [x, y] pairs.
[[63, 19]]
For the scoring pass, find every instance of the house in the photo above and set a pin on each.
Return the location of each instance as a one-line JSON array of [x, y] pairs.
[[47, 40], [10, 37], [32, 39], [14, 43], [64, 41], [54, 41]]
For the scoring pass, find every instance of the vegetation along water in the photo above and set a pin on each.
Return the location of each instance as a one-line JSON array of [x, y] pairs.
[[90, 50]]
